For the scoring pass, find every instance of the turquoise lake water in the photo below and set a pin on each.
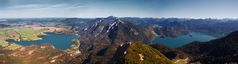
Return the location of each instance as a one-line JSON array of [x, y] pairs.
[[182, 40], [59, 41]]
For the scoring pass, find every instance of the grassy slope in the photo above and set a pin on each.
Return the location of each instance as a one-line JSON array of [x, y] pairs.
[[150, 55]]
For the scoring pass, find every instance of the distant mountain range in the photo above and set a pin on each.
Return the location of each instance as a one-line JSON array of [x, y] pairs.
[[114, 40], [171, 26], [102, 38]]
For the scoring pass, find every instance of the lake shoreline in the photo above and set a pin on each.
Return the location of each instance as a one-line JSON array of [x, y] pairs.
[[182, 39], [51, 38]]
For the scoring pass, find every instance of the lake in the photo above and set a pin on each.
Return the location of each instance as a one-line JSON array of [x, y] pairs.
[[183, 39], [59, 41]]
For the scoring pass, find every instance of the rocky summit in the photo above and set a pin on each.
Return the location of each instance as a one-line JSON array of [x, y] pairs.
[[100, 41]]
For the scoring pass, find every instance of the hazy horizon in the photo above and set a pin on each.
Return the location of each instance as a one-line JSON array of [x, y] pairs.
[[119, 8], [1, 18]]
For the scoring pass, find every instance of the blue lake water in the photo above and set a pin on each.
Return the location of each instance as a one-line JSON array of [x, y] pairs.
[[182, 40], [59, 41]]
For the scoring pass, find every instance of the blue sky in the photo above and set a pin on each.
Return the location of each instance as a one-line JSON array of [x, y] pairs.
[[120, 8]]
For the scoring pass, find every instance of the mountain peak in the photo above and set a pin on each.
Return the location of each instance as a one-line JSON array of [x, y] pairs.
[[103, 37], [111, 17], [108, 20]]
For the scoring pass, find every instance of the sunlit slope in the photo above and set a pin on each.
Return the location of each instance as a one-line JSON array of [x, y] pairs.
[[139, 53]]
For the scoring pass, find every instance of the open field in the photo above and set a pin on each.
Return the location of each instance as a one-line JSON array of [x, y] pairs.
[[29, 32], [20, 34], [8, 46]]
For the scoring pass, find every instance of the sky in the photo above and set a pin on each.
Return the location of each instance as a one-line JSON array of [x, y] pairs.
[[119, 8]]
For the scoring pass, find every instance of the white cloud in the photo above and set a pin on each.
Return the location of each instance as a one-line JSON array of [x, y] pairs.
[[27, 6], [42, 10], [31, 6]]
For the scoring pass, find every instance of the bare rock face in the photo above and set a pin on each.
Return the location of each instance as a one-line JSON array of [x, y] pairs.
[[100, 41]]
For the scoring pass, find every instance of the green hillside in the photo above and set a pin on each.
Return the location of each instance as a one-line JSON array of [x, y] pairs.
[[138, 53]]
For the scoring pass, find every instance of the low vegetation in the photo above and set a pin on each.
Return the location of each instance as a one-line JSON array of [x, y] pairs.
[[12, 46], [138, 53], [45, 54], [3, 43], [20, 34], [8, 46]]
